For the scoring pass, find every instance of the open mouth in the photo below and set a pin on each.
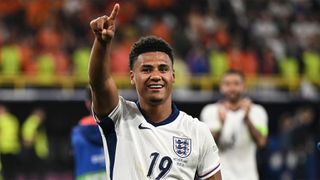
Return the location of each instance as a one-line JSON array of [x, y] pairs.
[[155, 86]]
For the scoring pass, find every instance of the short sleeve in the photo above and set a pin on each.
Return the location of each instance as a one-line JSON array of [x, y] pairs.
[[209, 115], [107, 124], [209, 161], [115, 114], [259, 118]]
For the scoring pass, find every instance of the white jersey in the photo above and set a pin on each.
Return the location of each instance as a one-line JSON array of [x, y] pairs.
[[180, 147], [237, 148]]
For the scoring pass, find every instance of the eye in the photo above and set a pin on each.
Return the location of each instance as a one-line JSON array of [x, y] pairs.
[[163, 68], [146, 70]]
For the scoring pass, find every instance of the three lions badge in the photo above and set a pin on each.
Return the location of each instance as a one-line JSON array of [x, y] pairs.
[[182, 146]]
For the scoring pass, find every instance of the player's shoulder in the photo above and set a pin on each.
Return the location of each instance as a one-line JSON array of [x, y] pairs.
[[127, 104], [258, 108], [192, 122], [210, 107]]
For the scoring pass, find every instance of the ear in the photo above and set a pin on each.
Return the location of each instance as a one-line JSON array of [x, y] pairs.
[[132, 82]]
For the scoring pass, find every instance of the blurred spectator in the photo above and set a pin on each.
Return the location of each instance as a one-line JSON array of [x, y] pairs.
[[243, 60], [120, 54], [289, 70], [34, 8], [35, 143], [267, 62], [249, 63], [28, 64], [305, 29], [81, 64], [218, 63], [49, 39], [45, 68], [161, 29], [280, 26], [264, 27], [198, 62], [181, 73], [293, 157], [311, 61], [88, 147], [9, 143], [10, 60]]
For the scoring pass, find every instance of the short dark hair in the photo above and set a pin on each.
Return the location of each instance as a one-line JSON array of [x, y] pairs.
[[234, 72], [149, 44]]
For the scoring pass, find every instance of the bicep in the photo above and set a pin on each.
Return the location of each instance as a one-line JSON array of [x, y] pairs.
[[209, 161], [216, 176], [260, 121]]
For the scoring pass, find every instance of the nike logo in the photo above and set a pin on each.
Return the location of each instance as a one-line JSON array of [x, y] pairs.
[[143, 127]]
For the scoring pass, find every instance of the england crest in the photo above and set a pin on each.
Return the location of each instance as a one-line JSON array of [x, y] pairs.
[[182, 146]]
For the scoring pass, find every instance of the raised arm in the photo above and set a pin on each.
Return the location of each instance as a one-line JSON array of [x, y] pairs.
[[104, 91], [259, 138], [216, 176]]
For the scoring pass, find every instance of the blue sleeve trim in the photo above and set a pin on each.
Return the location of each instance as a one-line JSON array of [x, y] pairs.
[[206, 174], [108, 129], [107, 125]]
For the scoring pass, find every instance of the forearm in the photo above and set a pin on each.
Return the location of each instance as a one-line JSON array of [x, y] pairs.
[[258, 138], [99, 65], [104, 90]]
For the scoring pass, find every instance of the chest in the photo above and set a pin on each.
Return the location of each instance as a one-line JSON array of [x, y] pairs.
[[171, 146]]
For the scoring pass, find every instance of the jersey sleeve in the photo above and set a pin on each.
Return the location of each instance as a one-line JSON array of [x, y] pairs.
[[107, 124], [209, 161], [209, 115], [259, 118]]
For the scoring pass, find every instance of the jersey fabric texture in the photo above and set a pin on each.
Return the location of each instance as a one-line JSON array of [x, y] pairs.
[[237, 148], [179, 147], [88, 150]]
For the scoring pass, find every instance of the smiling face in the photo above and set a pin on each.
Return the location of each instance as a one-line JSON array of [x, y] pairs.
[[153, 76]]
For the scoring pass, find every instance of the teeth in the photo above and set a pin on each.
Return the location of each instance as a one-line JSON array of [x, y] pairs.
[[155, 86]]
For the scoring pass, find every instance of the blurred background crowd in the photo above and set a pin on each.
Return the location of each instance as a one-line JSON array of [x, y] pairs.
[[275, 43], [280, 38]]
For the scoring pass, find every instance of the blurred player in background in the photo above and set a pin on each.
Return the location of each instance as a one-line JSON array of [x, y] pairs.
[[35, 145], [9, 143], [88, 147], [150, 139], [239, 126]]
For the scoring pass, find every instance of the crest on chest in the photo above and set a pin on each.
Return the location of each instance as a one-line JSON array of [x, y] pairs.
[[182, 146]]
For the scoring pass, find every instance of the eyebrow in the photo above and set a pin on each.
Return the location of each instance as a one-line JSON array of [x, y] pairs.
[[151, 66], [146, 66]]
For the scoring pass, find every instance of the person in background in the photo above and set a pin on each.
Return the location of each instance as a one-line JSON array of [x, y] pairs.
[[9, 143], [239, 126], [88, 147], [35, 143]]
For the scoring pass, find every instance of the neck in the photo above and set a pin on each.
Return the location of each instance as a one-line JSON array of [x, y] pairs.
[[232, 105], [157, 113]]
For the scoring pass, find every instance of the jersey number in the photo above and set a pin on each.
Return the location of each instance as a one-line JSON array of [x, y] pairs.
[[164, 165]]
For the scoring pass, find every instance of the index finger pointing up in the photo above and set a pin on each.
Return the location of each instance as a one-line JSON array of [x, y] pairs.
[[114, 12]]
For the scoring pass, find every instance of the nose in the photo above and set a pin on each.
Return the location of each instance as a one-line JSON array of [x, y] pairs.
[[155, 76]]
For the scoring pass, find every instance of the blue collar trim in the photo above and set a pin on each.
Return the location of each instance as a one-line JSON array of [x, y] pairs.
[[174, 114]]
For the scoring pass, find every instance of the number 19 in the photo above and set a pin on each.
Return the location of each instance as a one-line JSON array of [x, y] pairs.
[[164, 165]]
